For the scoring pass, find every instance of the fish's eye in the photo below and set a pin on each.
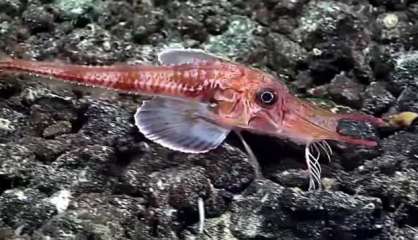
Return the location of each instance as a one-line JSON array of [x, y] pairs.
[[266, 97]]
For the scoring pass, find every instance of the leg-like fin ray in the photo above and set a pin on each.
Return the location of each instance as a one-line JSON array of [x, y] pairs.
[[201, 207], [251, 156]]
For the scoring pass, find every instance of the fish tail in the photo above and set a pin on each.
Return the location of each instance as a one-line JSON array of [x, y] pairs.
[[115, 77]]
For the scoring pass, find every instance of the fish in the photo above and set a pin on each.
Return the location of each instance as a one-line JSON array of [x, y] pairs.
[[198, 98]]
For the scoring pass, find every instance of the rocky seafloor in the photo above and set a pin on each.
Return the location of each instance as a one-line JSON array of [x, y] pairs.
[[73, 165]]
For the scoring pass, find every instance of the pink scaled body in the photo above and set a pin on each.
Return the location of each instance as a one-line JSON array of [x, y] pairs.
[[200, 98]]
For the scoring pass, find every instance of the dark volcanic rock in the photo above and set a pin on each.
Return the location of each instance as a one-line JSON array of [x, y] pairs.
[[405, 73], [38, 19], [269, 211], [109, 215], [408, 99], [74, 166], [345, 90], [377, 99], [26, 209], [11, 7], [58, 128]]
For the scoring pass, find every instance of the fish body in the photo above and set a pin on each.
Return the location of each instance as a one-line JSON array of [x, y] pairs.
[[199, 98]]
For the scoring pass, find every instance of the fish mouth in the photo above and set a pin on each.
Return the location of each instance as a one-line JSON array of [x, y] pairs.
[[307, 130]]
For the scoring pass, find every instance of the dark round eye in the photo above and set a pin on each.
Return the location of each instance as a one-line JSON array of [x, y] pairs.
[[266, 97]]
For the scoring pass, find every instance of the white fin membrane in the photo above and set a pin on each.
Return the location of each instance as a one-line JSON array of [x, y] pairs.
[[179, 125], [177, 56]]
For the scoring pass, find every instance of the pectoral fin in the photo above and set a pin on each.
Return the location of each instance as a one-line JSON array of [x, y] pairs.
[[179, 125]]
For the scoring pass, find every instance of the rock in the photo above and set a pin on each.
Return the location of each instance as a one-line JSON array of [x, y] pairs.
[[58, 128], [87, 172], [323, 17], [11, 122], [405, 72], [227, 169], [11, 7], [284, 24], [333, 31], [38, 19], [377, 99], [269, 211], [104, 122], [239, 35], [110, 214], [74, 8], [285, 54], [390, 4], [291, 178], [187, 24], [93, 45], [394, 175], [345, 90], [216, 24], [146, 25], [16, 162], [25, 209], [407, 101], [303, 81], [288, 7], [46, 150], [394, 27]]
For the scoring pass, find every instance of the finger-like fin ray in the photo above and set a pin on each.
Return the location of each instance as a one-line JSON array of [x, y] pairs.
[[312, 156]]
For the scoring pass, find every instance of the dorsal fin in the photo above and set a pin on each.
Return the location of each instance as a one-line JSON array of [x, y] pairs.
[[177, 56]]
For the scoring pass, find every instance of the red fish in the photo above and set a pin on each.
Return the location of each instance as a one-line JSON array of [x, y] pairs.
[[199, 98]]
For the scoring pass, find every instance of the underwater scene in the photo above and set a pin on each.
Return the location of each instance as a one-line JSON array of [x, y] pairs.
[[208, 119]]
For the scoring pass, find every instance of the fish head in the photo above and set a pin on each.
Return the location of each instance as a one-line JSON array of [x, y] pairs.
[[254, 103], [306, 123], [265, 106]]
